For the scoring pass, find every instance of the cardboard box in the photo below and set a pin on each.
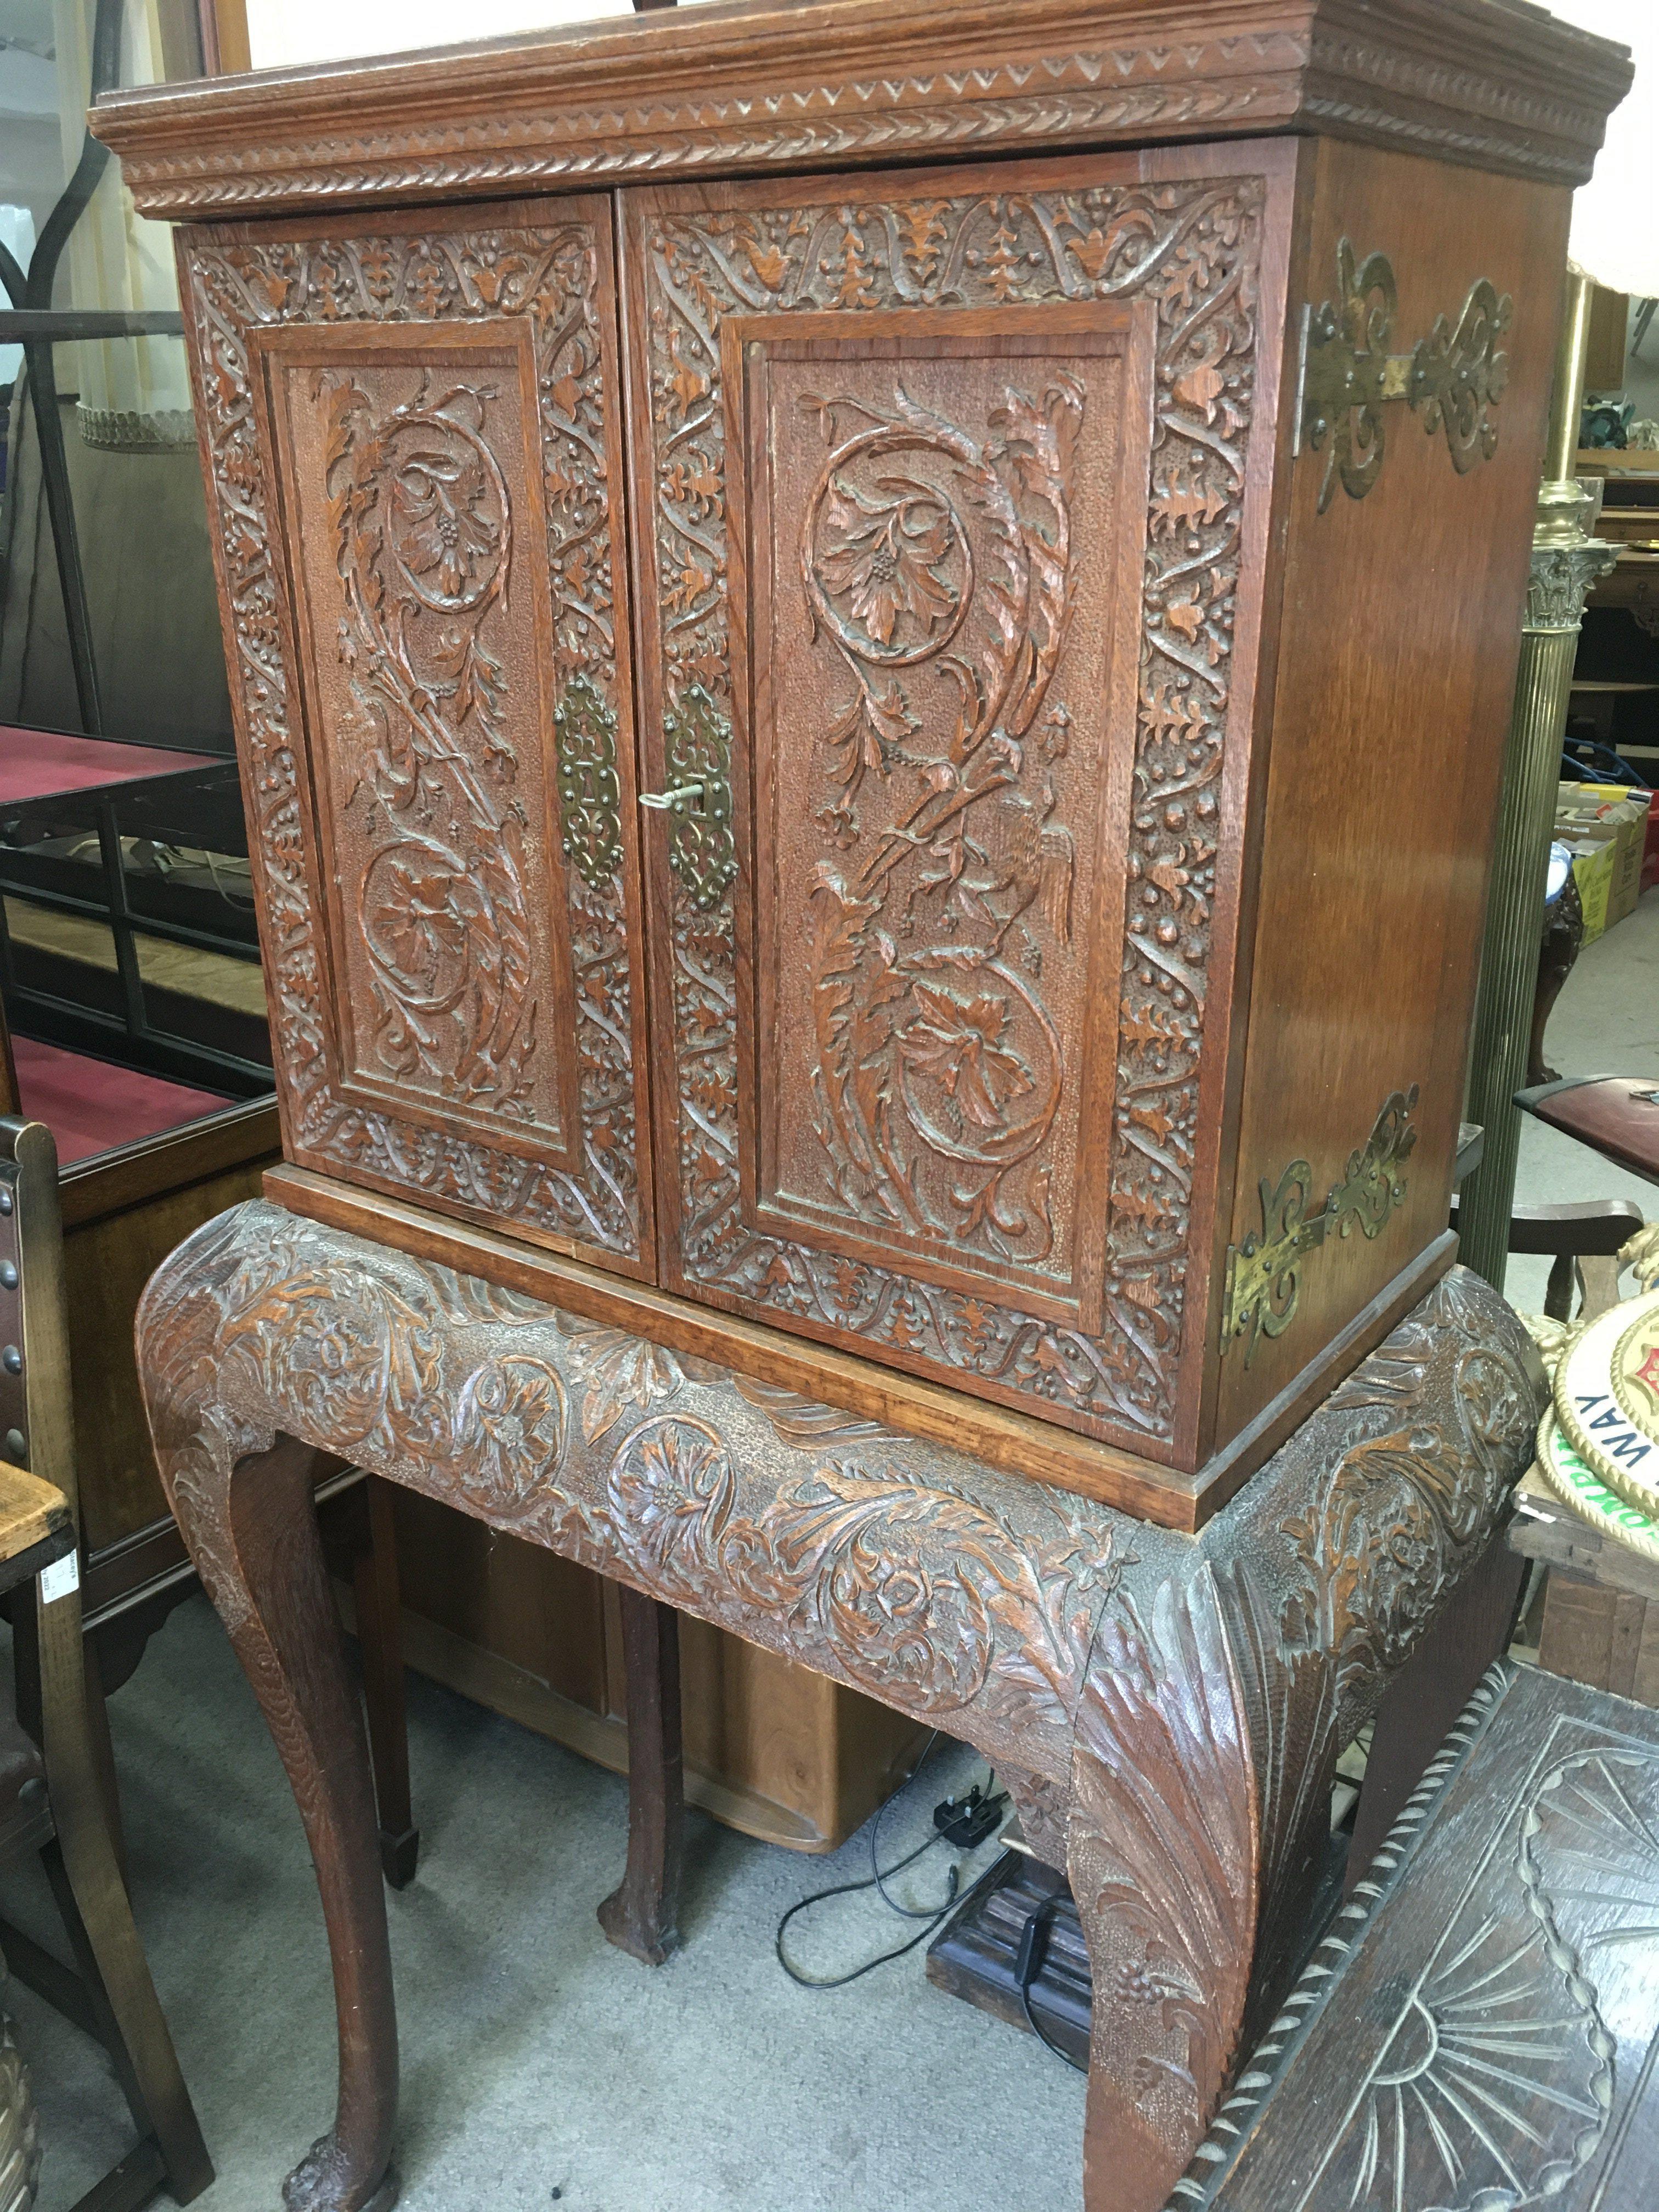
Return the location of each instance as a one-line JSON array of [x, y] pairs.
[[1592, 870], [1607, 827]]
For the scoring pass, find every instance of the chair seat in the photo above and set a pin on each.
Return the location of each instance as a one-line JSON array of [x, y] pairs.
[[93, 1106]]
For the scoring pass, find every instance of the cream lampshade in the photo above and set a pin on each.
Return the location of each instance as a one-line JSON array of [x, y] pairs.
[[1616, 217]]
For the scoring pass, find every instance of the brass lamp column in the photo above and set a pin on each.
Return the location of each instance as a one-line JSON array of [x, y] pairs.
[[1565, 562]]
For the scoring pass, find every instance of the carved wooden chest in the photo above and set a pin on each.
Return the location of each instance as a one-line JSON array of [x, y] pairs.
[[871, 642], [1481, 2024]]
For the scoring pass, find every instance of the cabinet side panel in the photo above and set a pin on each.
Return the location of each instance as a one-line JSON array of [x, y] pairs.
[[412, 447], [1401, 627]]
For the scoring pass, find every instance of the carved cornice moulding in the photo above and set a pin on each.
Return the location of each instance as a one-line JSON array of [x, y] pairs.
[[740, 89]]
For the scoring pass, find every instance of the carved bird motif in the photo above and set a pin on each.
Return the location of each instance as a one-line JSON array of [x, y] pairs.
[[1037, 867]]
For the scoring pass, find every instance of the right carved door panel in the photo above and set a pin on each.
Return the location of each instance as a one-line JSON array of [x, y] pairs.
[[942, 529], [937, 521]]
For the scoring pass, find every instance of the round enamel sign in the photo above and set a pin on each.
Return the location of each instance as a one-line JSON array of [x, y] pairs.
[[1578, 1485], [1606, 1400]]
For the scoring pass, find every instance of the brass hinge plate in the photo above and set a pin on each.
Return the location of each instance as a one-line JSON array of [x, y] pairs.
[[1264, 1273], [1452, 380]]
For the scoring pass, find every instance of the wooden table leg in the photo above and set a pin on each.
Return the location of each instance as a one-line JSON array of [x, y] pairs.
[[253, 1534], [642, 1915], [380, 1637]]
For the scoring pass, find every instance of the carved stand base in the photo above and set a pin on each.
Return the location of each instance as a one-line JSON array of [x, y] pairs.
[[1173, 1706]]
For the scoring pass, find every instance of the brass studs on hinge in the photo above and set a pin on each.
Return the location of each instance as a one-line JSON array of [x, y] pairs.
[[1264, 1273], [1452, 380]]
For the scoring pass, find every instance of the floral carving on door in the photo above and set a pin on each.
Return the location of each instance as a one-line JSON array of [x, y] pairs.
[[423, 527], [425, 412], [926, 1139], [938, 1068]]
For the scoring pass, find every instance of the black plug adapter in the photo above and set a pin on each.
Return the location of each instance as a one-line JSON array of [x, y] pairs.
[[966, 1821]]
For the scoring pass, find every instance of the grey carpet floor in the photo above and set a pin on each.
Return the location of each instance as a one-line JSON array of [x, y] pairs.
[[1606, 1023], [541, 2067]]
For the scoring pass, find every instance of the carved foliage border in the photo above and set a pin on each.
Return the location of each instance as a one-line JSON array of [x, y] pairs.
[[974, 1601], [551, 275], [1191, 248]]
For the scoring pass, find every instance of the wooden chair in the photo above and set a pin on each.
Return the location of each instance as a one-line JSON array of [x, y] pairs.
[[36, 1533], [126, 1197], [57, 1785]]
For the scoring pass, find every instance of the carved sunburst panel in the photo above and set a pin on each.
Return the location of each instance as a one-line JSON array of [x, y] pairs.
[[1494, 2078], [412, 445], [926, 674]]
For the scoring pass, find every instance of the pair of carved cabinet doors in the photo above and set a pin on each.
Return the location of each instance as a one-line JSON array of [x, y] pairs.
[[736, 686]]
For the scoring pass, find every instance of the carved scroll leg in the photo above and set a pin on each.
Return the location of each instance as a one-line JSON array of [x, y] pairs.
[[254, 1537], [1162, 1854], [642, 1916]]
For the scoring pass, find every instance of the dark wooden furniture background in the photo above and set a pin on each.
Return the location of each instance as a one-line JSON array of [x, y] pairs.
[[1480, 2025], [1619, 651], [870, 786], [126, 920], [770, 1749], [1601, 1622]]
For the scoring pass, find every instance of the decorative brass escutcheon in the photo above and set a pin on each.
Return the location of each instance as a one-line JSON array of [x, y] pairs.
[[1264, 1273], [590, 789], [1452, 380], [697, 803]]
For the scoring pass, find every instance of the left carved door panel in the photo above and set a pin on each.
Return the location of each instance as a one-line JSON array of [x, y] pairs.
[[413, 441]]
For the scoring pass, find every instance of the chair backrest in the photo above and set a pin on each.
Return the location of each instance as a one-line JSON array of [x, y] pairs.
[[10, 1102], [37, 1418]]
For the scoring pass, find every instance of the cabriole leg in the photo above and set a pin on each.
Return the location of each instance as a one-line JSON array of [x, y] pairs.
[[253, 1536], [1162, 1860]]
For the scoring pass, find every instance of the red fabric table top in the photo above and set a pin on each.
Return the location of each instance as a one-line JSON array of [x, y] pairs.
[[91, 1106], [45, 764]]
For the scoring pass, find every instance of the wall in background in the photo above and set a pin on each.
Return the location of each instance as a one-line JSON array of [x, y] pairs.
[[284, 33]]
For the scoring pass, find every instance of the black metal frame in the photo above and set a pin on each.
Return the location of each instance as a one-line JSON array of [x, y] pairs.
[[147, 1042], [32, 322]]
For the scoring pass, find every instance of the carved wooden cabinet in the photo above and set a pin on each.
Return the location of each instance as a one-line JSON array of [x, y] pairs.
[[871, 644]]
